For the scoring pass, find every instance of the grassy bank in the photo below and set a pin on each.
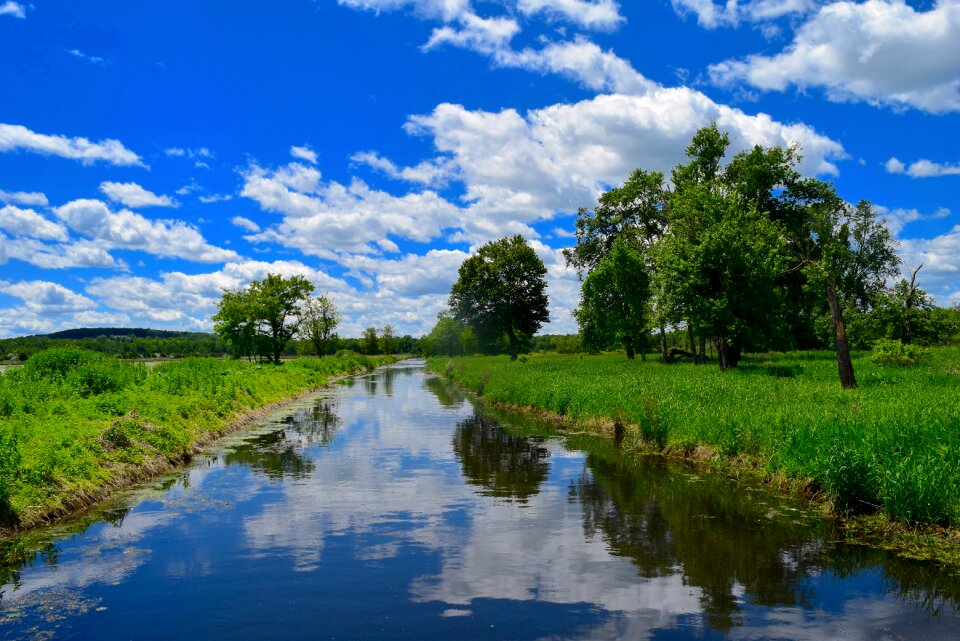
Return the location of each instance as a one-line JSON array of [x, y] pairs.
[[76, 424], [892, 445]]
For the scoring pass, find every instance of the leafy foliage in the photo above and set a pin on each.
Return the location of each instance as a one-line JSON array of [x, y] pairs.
[[502, 290]]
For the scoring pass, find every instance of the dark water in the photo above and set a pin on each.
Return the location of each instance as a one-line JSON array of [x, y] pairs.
[[388, 509]]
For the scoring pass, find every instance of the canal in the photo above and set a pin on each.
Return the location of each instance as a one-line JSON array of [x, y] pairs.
[[388, 508]]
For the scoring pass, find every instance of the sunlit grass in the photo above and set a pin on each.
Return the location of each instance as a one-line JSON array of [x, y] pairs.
[[891, 444], [73, 421]]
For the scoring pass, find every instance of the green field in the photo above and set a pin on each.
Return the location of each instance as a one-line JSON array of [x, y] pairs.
[[74, 423], [892, 445]]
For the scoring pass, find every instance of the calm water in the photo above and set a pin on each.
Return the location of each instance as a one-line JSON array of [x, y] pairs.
[[388, 509]]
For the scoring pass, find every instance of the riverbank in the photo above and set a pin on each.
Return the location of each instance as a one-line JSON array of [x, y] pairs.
[[884, 457], [76, 426]]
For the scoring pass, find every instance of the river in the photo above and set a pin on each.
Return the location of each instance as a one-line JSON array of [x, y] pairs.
[[387, 508]]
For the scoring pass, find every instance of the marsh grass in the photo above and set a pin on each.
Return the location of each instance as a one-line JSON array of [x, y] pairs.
[[73, 422], [893, 444]]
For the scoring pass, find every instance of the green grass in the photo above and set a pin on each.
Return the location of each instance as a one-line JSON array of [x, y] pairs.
[[73, 422], [893, 444]]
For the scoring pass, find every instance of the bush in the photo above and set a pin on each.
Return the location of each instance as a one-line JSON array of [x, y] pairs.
[[56, 364], [893, 352]]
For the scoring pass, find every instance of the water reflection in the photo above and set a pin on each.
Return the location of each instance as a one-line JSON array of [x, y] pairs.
[[280, 452], [394, 504], [504, 466]]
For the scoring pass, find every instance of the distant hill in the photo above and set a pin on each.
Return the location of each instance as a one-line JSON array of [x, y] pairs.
[[137, 332]]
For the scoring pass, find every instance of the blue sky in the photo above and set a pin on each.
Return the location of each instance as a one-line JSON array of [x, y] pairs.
[[153, 154]]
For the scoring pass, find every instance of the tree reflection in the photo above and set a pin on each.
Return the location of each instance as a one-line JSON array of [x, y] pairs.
[[705, 528], [503, 465], [279, 453], [446, 395]]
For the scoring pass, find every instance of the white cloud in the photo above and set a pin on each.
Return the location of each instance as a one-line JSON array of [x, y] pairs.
[[866, 52], [486, 35], [23, 198], [923, 168], [83, 253], [27, 222], [133, 195], [128, 230], [18, 137], [324, 219], [711, 15], [304, 153], [215, 198], [581, 61], [940, 256], [76, 53], [245, 223], [46, 297], [412, 275], [434, 173], [446, 10], [14, 9], [599, 14]]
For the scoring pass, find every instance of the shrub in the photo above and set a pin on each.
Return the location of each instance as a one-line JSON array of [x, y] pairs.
[[893, 352], [56, 364]]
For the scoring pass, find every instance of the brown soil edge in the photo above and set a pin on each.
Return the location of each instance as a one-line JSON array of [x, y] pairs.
[[128, 475], [931, 543]]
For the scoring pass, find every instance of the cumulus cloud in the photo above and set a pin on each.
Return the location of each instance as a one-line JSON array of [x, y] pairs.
[[304, 153], [866, 52], [128, 230], [922, 168], [436, 172], [732, 13], [133, 195], [46, 297], [13, 9], [27, 222], [82, 253], [599, 14], [180, 152], [18, 137], [940, 256], [76, 53], [245, 223], [325, 218], [23, 198]]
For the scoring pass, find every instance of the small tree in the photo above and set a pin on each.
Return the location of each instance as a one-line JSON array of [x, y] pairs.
[[320, 318], [368, 341], [501, 290]]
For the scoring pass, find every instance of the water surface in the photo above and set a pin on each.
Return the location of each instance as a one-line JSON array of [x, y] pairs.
[[388, 508]]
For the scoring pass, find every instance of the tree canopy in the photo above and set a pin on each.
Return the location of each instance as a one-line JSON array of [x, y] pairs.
[[501, 291], [261, 318]]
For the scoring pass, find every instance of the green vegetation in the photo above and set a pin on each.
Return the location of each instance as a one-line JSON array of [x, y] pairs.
[[74, 423], [501, 293], [893, 444]]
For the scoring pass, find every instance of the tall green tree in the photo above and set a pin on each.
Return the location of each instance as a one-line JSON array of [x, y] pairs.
[[501, 290], [369, 342], [615, 297], [266, 313], [319, 322], [387, 339], [635, 213]]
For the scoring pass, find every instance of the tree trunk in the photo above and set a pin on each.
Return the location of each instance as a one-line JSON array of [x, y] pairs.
[[514, 344], [664, 357], [628, 345], [844, 364], [693, 343], [703, 350], [907, 306]]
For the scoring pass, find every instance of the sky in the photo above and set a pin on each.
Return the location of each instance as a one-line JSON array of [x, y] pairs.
[[153, 155]]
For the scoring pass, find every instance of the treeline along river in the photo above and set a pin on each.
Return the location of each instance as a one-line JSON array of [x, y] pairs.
[[388, 508]]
